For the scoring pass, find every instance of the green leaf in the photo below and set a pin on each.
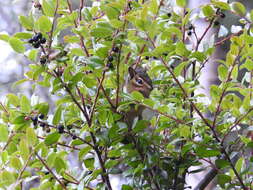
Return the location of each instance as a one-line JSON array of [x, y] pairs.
[[57, 115], [185, 131], [24, 149], [3, 133], [137, 96], [17, 45], [220, 163], [203, 152], [208, 11], [181, 3], [31, 136], [238, 8], [4, 37], [126, 187], [52, 138], [111, 163], [26, 22], [248, 64], [140, 126], [59, 164], [32, 55], [111, 12], [239, 165], [223, 179], [23, 35], [178, 70], [48, 8], [13, 99], [223, 72], [101, 32], [15, 163], [181, 49], [153, 6], [25, 104], [221, 5], [44, 24], [89, 163], [83, 152]]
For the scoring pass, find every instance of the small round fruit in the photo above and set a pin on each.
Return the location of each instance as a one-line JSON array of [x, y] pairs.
[[109, 65], [41, 116], [43, 60], [74, 137], [43, 40], [37, 37], [222, 15], [169, 15], [191, 27], [110, 58], [115, 49], [147, 57], [36, 44], [30, 41], [48, 130], [34, 120], [60, 128], [42, 125], [189, 33], [216, 23]]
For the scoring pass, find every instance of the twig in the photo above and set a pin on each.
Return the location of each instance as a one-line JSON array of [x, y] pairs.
[[52, 28], [49, 169], [61, 144]]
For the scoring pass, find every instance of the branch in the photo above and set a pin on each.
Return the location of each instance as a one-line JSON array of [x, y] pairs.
[[49, 169]]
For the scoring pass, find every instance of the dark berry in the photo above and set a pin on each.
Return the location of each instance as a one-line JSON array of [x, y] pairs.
[[34, 120], [30, 41], [37, 37], [60, 128], [37, 5], [186, 12], [42, 125], [165, 54], [115, 49], [74, 137], [216, 23], [109, 65], [190, 27], [110, 58], [46, 173], [154, 57], [43, 40], [189, 33], [129, 5], [48, 130], [43, 60], [41, 116], [69, 127], [36, 44], [169, 15], [222, 15], [147, 57]]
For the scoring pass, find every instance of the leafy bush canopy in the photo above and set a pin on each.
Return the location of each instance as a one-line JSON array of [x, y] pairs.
[[82, 55]]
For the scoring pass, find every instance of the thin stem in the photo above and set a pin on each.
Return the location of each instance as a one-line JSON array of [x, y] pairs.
[[52, 28], [49, 169]]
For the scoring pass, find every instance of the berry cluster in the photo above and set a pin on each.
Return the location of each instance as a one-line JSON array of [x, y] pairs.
[[37, 40], [36, 119], [190, 29], [110, 58]]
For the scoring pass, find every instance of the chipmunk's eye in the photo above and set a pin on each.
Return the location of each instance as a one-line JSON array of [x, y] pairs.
[[139, 81]]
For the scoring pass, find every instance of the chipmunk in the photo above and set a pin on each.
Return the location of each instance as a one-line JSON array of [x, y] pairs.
[[138, 81]]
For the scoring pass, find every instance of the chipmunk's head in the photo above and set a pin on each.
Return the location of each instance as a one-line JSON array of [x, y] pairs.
[[139, 81]]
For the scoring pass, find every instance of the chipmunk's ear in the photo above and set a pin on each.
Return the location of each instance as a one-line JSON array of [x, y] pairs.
[[131, 72]]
